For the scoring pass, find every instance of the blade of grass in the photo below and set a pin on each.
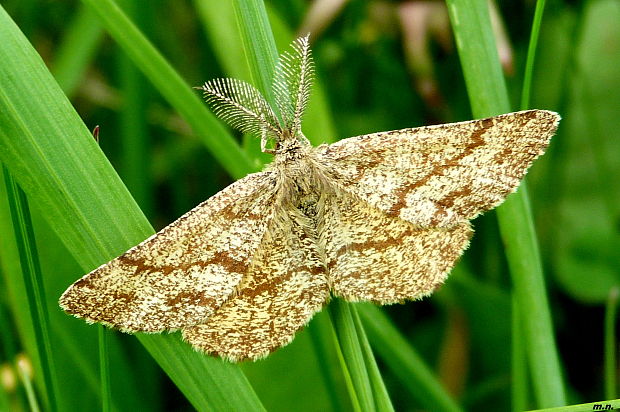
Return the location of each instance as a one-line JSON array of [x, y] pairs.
[[348, 380], [611, 344], [517, 229], [133, 124], [488, 96], [217, 384], [104, 369], [404, 362], [33, 404], [531, 55], [321, 336], [258, 44], [174, 89], [53, 156], [352, 356], [380, 393], [479, 60], [77, 48], [224, 37], [519, 362], [33, 280]]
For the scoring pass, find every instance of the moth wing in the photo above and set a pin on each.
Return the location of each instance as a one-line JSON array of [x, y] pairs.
[[372, 256], [180, 275], [285, 286], [439, 176]]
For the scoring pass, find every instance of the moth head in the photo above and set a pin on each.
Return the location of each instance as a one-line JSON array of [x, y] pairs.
[[243, 107]]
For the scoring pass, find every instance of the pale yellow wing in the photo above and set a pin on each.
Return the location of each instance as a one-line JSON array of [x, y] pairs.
[[285, 286], [372, 256], [440, 176], [180, 275]]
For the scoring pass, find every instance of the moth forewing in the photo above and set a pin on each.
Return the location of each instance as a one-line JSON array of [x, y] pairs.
[[381, 217], [439, 176], [180, 275]]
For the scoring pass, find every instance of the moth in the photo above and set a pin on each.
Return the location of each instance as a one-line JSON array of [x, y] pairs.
[[381, 217]]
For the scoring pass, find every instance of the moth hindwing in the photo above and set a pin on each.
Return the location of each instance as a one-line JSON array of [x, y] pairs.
[[381, 217]]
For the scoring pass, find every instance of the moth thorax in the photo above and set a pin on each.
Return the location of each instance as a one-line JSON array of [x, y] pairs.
[[308, 205], [290, 153], [290, 140]]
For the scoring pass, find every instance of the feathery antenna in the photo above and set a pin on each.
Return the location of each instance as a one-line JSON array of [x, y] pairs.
[[292, 83], [241, 106]]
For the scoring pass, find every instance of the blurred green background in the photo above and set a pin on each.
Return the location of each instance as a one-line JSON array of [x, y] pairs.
[[380, 65]]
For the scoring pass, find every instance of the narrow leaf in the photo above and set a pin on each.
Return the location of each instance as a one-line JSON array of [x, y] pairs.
[[488, 96]]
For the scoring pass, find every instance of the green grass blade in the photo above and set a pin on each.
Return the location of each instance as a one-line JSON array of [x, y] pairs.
[[611, 345], [258, 44], [33, 280], [322, 339], [53, 156], [104, 369], [213, 383], [76, 50], [219, 22], [488, 96], [352, 355], [519, 362], [355, 402], [73, 341], [531, 55], [133, 124], [479, 60], [175, 90], [380, 393], [518, 234], [404, 361], [29, 388]]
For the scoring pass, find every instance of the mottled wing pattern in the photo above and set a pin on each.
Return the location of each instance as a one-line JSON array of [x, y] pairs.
[[284, 287], [439, 176], [180, 275], [372, 256]]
